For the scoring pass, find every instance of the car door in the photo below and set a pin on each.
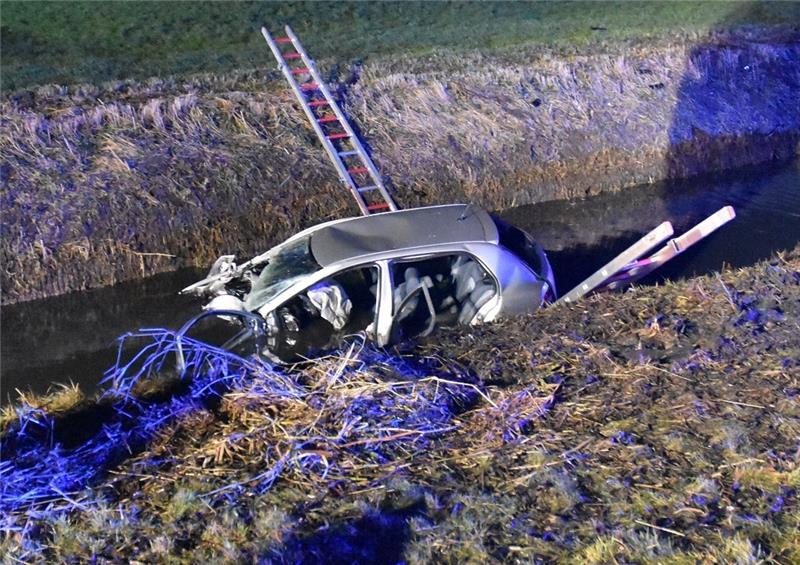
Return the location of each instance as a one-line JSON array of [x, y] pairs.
[[320, 316], [434, 291]]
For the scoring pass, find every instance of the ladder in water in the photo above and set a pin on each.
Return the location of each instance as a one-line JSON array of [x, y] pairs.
[[625, 268], [352, 162]]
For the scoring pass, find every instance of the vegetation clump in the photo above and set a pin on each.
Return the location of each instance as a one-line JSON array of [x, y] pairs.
[[658, 425], [119, 180]]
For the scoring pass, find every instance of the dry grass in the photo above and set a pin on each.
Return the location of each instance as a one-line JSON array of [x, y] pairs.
[[107, 183], [659, 425], [64, 399]]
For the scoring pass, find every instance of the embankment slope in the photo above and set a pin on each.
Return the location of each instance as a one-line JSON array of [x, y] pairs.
[[656, 425], [114, 182]]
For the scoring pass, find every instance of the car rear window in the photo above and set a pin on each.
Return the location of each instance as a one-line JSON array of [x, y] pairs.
[[522, 245]]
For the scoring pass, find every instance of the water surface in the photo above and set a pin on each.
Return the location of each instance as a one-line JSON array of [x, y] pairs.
[[72, 337]]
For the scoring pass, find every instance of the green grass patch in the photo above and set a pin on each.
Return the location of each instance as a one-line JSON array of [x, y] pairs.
[[68, 42]]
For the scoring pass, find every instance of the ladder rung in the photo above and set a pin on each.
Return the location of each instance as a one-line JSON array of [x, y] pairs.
[[332, 126]]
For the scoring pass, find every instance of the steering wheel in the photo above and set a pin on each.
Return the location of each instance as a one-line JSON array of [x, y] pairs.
[[283, 333]]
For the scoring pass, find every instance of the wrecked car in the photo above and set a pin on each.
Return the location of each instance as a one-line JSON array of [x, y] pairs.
[[391, 276]]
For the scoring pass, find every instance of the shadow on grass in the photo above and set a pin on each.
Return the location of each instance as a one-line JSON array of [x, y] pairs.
[[49, 458], [738, 77], [379, 536]]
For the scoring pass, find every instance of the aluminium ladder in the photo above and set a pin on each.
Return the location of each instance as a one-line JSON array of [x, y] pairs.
[[352, 162]]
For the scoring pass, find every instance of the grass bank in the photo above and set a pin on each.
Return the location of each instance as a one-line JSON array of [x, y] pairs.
[[125, 179], [73, 42], [496, 103], [658, 425]]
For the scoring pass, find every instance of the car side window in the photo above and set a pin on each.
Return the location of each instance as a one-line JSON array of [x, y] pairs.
[[458, 286], [319, 317]]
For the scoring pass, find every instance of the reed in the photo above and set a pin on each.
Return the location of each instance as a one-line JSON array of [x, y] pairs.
[[125, 179]]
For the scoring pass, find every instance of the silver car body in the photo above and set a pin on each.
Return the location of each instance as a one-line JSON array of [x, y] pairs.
[[384, 239]]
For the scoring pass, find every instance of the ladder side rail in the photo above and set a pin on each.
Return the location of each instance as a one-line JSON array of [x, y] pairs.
[[642, 246], [705, 228], [674, 247], [311, 65], [344, 176], [643, 268], [671, 249]]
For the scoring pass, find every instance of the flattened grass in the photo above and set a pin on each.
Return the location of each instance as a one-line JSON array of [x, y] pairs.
[[659, 425]]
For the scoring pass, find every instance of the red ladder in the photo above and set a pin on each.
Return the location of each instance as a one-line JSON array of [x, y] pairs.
[[354, 165]]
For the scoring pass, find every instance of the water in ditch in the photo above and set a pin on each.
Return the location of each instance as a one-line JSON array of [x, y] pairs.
[[72, 337]]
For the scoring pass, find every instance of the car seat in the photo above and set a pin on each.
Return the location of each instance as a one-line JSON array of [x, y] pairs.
[[411, 281], [473, 288], [480, 295]]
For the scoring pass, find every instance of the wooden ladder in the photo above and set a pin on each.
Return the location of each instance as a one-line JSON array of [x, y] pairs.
[[354, 165], [625, 268]]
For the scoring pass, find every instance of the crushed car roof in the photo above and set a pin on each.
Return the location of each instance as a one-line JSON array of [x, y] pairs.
[[404, 229]]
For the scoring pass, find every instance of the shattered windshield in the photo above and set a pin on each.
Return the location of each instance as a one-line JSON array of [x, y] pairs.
[[288, 266]]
